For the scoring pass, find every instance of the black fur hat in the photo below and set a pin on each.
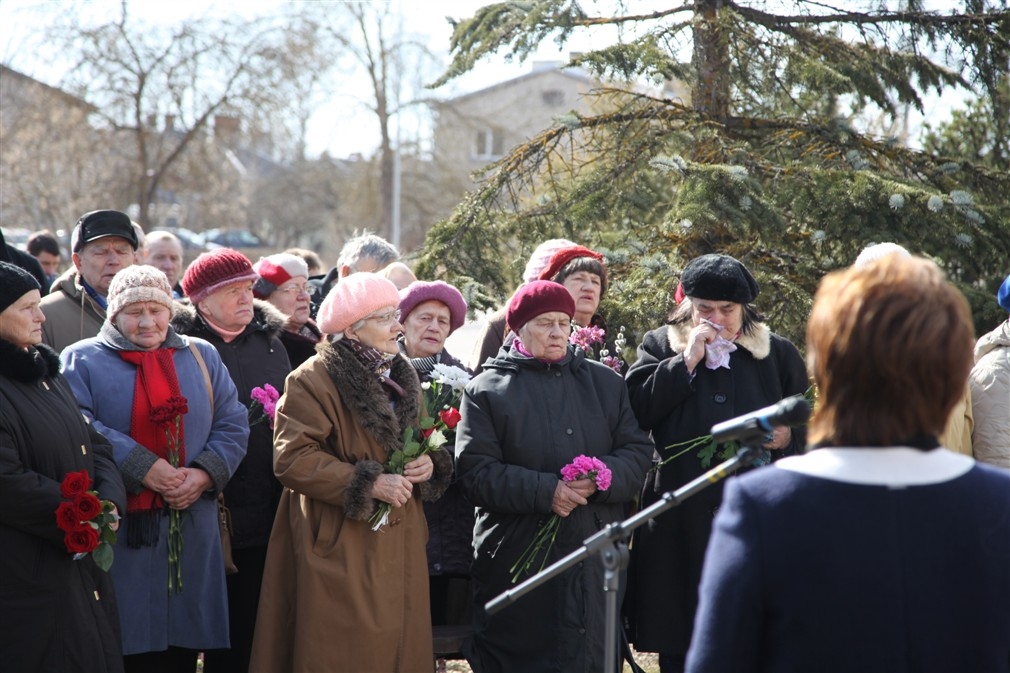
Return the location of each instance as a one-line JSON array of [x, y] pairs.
[[719, 278], [14, 283]]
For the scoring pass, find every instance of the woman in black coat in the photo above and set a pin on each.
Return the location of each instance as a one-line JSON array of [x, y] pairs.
[[60, 614], [534, 409], [715, 361]]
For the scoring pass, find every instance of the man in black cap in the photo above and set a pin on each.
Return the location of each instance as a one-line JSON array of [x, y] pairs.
[[103, 242]]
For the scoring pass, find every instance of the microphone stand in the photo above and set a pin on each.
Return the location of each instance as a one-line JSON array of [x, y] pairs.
[[611, 545]]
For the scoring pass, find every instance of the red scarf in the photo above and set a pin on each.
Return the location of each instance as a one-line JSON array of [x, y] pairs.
[[157, 424]]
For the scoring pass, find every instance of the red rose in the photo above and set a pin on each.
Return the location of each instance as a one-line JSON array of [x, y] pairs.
[[87, 506], [67, 518], [426, 433], [450, 417], [75, 483], [81, 540]]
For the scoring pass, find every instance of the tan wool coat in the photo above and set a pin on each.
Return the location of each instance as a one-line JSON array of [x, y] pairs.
[[338, 596], [71, 314]]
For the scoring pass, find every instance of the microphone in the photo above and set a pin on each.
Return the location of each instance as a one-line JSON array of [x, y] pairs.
[[791, 411]]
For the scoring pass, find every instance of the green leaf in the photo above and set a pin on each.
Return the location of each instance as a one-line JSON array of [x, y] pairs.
[[706, 454], [103, 556]]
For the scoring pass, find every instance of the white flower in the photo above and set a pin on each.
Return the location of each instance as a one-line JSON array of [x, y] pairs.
[[448, 375], [381, 522], [961, 198], [425, 385], [745, 202], [435, 439], [935, 203]]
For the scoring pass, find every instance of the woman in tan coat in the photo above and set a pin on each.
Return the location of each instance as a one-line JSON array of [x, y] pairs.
[[338, 596]]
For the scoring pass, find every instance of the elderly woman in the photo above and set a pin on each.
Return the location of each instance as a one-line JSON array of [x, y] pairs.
[[338, 595], [60, 614], [534, 409], [878, 550], [284, 282], [716, 360], [178, 433], [430, 312]]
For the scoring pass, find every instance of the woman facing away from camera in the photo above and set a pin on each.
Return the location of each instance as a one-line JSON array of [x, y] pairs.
[[878, 550]]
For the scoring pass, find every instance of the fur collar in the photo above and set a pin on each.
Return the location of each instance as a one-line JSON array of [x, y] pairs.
[[186, 320], [367, 398], [28, 366], [758, 342]]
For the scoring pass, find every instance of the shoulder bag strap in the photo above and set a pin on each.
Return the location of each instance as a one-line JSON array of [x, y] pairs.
[[206, 375]]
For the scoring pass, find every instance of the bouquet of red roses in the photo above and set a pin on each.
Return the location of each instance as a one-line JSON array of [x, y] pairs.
[[583, 467], [86, 520]]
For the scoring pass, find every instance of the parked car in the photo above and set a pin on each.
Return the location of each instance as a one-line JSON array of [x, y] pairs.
[[231, 238]]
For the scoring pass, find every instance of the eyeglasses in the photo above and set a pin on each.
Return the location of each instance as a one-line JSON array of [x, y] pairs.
[[385, 319], [296, 290]]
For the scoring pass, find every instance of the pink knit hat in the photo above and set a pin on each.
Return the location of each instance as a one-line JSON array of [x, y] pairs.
[[353, 298], [541, 257], [421, 291], [135, 284], [213, 270], [276, 270], [532, 299]]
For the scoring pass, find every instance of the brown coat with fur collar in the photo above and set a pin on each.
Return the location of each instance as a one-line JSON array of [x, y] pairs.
[[338, 596]]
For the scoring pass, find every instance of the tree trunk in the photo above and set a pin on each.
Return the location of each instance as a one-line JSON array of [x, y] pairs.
[[711, 61]]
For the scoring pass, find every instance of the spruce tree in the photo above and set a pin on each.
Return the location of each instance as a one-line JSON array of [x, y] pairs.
[[772, 160]]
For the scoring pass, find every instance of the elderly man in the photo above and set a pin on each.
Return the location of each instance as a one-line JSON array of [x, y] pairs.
[[364, 252], [102, 243], [245, 331], [164, 252]]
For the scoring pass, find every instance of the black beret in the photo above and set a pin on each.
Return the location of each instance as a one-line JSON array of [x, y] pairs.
[[719, 278]]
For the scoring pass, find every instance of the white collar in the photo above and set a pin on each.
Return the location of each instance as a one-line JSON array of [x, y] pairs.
[[896, 467]]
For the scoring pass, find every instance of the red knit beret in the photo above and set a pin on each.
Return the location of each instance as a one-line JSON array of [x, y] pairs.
[[213, 270], [536, 298]]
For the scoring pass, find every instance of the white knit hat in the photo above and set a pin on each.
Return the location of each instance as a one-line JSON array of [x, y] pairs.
[[138, 283], [541, 257], [872, 253], [276, 270]]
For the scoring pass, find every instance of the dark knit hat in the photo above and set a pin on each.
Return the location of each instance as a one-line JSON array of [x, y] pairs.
[[719, 278], [533, 299], [213, 270], [1003, 295], [15, 283], [101, 224], [421, 291]]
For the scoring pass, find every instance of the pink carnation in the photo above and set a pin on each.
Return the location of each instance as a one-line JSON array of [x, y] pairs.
[[586, 337], [588, 467]]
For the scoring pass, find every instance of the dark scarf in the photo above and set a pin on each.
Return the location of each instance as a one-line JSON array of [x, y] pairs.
[[376, 361]]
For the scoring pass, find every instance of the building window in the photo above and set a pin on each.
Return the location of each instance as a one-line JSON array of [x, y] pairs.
[[490, 144], [553, 97]]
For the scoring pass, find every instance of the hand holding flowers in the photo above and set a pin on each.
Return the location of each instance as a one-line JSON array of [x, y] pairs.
[[439, 417], [582, 469], [90, 524]]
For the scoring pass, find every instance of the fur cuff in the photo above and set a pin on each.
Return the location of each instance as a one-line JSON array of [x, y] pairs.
[[441, 477], [358, 502]]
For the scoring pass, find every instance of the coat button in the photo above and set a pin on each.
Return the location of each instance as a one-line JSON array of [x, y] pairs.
[[569, 431], [437, 567], [557, 373], [84, 450], [719, 398]]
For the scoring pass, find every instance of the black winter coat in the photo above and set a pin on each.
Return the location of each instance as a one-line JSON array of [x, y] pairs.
[[58, 614], [667, 554], [254, 358], [524, 420]]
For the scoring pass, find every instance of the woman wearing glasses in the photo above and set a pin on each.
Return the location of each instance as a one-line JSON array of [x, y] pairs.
[[284, 282], [337, 595], [245, 333]]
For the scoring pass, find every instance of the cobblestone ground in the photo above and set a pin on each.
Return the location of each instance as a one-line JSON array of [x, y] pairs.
[[648, 661]]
